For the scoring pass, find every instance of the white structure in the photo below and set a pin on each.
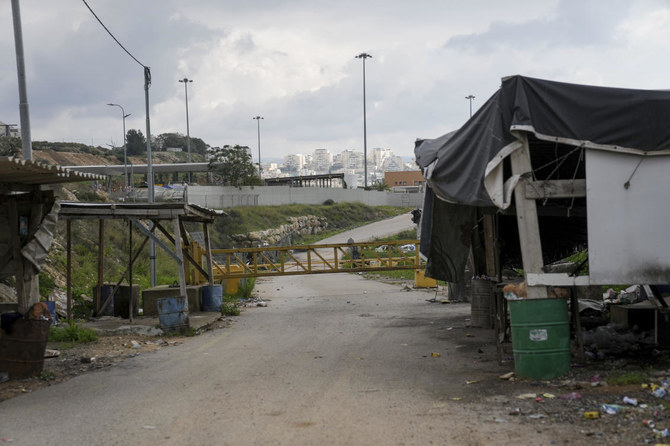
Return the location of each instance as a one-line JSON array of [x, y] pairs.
[[9, 130], [294, 163]]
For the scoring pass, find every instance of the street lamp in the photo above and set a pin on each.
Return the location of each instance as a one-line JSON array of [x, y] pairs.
[[365, 129], [125, 154], [470, 98], [186, 81], [258, 121]]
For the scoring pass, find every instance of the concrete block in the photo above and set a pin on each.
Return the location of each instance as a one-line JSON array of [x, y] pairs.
[[150, 295]]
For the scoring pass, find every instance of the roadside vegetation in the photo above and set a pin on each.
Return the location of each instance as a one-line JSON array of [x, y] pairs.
[[72, 333]]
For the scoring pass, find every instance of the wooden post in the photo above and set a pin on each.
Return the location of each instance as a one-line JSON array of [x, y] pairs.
[[490, 246], [15, 238], [180, 256], [101, 263], [68, 271], [527, 222], [130, 271]]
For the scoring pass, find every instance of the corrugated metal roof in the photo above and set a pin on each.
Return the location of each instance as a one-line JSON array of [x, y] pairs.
[[19, 171]]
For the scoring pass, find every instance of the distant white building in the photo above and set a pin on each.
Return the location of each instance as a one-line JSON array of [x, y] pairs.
[[322, 159], [294, 163]]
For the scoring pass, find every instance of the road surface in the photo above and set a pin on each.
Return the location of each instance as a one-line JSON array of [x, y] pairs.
[[334, 359]]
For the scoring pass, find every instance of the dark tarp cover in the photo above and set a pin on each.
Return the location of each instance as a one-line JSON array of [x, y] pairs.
[[465, 166]]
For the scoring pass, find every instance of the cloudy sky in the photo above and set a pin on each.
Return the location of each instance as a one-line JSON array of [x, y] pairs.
[[292, 62]]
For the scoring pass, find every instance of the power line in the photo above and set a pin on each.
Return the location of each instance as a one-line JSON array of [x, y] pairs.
[[112, 35]]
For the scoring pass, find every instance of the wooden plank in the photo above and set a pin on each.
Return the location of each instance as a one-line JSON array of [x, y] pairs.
[[526, 217], [16, 254], [556, 279], [184, 253], [579, 339], [182, 266], [538, 190]]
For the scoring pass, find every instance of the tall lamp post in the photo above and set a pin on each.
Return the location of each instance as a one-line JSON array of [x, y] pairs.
[[258, 121], [365, 126], [125, 152], [186, 81], [470, 98]]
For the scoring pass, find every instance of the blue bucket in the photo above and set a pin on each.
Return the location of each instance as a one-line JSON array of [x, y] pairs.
[[212, 295], [173, 314]]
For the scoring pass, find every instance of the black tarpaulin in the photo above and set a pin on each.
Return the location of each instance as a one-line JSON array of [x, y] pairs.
[[465, 166]]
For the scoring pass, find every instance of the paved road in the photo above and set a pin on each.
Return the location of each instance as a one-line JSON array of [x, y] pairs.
[[334, 359]]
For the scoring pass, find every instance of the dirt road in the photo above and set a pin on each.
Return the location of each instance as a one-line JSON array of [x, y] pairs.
[[333, 359]]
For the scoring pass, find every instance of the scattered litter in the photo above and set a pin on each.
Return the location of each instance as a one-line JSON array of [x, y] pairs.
[[649, 423], [7, 440], [539, 399], [4, 376], [135, 344], [659, 392], [537, 416], [456, 398], [609, 409], [147, 426], [472, 381], [630, 401], [262, 304], [88, 359], [469, 335], [526, 396], [445, 301], [49, 353], [549, 396], [592, 414], [507, 376], [515, 412], [435, 355], [572, 396], [449, 328]]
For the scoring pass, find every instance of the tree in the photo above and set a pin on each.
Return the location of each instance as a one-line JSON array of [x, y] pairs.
[[136, 144], [234, 167], [165, 140]]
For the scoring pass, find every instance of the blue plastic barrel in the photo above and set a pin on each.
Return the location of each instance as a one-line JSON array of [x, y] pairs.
[[173, 314], [52, 311], [211, 296]]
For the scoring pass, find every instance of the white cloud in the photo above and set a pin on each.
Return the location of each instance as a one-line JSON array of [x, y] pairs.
[[293, 63]]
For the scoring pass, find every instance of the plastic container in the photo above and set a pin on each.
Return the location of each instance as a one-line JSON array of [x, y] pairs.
[[540, 337]]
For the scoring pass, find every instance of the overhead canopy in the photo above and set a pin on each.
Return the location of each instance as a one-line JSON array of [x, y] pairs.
[[465, 166], [17, 171]]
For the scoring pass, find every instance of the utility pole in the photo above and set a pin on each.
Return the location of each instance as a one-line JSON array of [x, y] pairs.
[[26, 141], [470, 98], [365, 125], [186, 81], [258, 121]]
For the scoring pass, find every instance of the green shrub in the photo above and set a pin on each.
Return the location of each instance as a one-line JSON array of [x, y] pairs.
[[72, 333], [230, 309]]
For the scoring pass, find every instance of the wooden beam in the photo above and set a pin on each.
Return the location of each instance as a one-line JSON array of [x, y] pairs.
[[68, 268], [208, 248], [490, 245], [539, 190], [526, 217], [182, 266], [184, 253], [15, 238]]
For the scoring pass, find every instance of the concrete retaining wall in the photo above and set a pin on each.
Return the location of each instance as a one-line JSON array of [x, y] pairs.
[[220, 197]]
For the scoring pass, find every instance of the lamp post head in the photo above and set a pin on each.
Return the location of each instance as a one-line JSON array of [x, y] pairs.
[[125, 116], [470, 97], [185, 80], [363, 56], [258, 117]]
